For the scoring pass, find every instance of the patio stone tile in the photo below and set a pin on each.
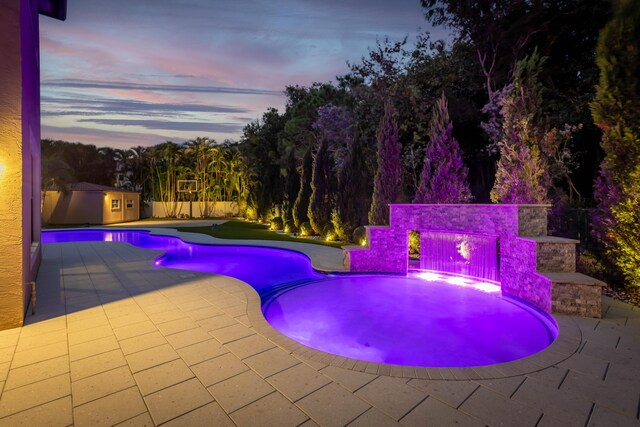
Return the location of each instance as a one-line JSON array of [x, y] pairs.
[[28, 357], [8, 341], [201, 351], [248, 346], [4, 370], [41, 340], [239, 391], [271, 361], [169, 315], [213, 371], [188, 337], [332, 405], [92, 348], [34, 394], [452, 393], [621, 356], [203, 313], [391, 395], [92, 334], [309, 423], [571, 409], [162, 376], [235, 310], [6, 354], [494, 409], [37, 372], [177, 400], [43, 327], [128, 320], [142, 342], [101, 412], [142, 420], [101, 385], [134, 330], [504, 386], [205, 416], [298, 381], [151, 357], [608, 395], [216, 322], [160, 307], [55, 413], [96, 364], [351, 380], [585, 364], [231, 333], [194, 305], [272, 410], [374, 418], [603, 417], [175, 326], [552, 375], [433, 412], [244, 319]]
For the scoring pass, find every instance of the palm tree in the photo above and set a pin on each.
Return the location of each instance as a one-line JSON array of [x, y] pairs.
[[202, 149]]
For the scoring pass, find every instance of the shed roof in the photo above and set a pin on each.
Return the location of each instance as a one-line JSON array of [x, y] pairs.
[[87, 186]]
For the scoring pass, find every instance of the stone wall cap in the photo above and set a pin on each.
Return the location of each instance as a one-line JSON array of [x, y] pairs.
[[573, 279], [473, 204], [552, 239]]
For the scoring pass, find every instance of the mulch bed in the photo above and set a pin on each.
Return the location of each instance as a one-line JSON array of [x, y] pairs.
[[631, 296]]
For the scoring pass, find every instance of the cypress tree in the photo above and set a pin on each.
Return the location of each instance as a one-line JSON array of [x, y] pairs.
[[291, 187], [322, 187], [301, 205], [444, 176], [616, 110], [387, 186]]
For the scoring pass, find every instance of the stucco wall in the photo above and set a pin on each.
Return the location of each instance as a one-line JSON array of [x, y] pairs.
[[19, 157], [122, 214], [387, 249]]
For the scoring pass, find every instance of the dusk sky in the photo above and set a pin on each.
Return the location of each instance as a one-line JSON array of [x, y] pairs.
[[121, 73]]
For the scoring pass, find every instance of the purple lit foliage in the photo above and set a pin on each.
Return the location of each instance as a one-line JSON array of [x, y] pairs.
[[444, 176], [522, 173], [387, 187]]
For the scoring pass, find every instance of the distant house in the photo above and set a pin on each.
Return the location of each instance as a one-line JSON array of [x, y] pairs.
[[85, 203]]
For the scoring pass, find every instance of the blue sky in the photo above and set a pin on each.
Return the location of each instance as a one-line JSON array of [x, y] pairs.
[[122, 73]]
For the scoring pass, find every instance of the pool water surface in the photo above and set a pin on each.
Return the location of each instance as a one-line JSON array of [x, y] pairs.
[[435, 320]]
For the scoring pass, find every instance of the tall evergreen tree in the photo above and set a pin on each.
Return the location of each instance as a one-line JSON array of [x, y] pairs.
[[353, 196], [444, 176], [291, 187], [301, 205], [387, 186], [616, 110]]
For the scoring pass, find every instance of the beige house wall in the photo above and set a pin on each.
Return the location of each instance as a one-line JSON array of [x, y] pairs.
[[217, 209], [89, 207], [123, 213], [76, 207]]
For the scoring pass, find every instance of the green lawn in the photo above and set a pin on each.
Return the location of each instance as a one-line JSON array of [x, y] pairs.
[[237, 229]]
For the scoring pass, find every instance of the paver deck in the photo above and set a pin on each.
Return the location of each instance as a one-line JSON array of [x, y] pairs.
[[117, 341]]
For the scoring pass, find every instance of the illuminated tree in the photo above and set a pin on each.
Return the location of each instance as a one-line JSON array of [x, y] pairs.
[[616, 110], [444, 176], [387, 187]]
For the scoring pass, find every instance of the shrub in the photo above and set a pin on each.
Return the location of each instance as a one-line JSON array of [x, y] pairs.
[[329, 233], [251, 213], [305, 229], [290, 227], [276, 223], [414, 244], [360, 235]]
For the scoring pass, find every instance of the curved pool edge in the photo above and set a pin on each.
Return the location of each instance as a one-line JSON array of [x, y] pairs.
[[320, 261], [566, 344]]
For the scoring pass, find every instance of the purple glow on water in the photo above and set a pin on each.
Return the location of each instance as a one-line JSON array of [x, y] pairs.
[[428, 319], [408, 321], [468, 254]]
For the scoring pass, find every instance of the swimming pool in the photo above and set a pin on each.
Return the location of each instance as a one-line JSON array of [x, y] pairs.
[[431, 320]]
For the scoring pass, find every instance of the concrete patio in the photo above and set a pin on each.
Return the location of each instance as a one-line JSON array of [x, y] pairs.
[[117, 341]]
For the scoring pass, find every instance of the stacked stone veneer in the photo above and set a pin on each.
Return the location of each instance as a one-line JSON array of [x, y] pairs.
[[527, 254]]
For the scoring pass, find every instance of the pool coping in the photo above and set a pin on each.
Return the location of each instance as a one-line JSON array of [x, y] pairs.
[[567, 343]]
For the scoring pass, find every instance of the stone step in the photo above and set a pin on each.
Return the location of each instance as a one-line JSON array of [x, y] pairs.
[[576, 294], [555, 254]]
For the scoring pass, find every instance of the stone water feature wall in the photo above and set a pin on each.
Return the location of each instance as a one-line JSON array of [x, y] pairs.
[[530, 261]]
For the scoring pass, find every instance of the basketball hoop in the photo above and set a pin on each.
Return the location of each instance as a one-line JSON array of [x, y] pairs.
[[187, 186]]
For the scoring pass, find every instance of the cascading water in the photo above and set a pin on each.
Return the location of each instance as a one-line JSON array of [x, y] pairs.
[[468, 254]]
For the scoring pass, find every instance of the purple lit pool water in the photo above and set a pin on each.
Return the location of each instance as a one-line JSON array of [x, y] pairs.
[[433, 319]]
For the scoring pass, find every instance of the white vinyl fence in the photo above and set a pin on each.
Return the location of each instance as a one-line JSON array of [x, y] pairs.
[[217, 209]]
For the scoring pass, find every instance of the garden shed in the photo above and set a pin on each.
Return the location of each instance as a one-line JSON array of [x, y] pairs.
[[86, 203]]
